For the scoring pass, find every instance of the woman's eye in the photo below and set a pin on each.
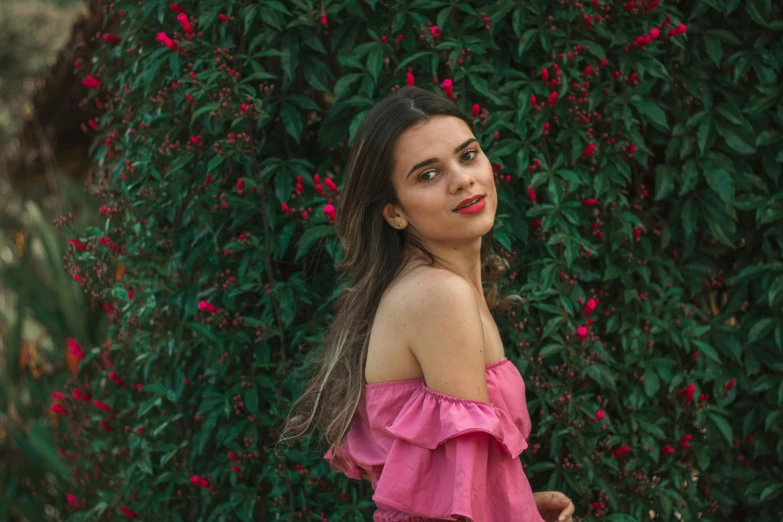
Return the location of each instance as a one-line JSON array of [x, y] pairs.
[[421, 177]]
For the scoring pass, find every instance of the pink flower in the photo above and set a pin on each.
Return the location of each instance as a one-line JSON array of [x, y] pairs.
[[110, 38], [475, 110], [330, 185], [101, 405], [182, 18], [544, 74], [75, 348], [58, 395], [176, 7], [233, 457], [531, 192], [552, 98], [667, 450], [58, 408], [588, 151], [165, 40], [409, 79], [207, 307], [599, 414], [589, 306], [533, 99], [324, 19], [589, 202], [91, 82], [72, 500], [222, 18]]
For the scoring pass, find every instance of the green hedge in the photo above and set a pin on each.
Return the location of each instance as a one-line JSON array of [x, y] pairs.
[[642, 170]]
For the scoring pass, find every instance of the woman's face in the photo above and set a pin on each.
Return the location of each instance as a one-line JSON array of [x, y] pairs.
[[437, 164]]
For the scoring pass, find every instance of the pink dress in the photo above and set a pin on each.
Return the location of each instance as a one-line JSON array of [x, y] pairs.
[[433, 456]]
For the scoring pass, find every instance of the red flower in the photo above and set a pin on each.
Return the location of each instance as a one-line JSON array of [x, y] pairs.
[[622, 451], [599, 414], [581, 332], [116, 378], [165, 40], [91, 82], [199, 481], [78, 244], [589, 202], [689, 391], [208, 307], [110, 38], [448, 87], [474, 111], [552, 98], [58, 408], [75, 348], [58, 395], [101, 405], [182, 18], [588, 150], [125, 510], [176, 7], [589, 306], [531, 191], [667, 450], [223, 18], [409, 79]]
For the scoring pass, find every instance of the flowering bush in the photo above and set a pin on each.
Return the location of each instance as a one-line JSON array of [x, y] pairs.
[[636, 150]]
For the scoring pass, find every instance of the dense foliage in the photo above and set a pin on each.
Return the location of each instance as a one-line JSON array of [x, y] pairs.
[[636, 147]]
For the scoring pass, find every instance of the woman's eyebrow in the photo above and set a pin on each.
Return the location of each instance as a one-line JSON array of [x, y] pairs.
[[433, 160]]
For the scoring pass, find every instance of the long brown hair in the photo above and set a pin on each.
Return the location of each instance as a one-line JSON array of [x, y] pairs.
[[374, 252]]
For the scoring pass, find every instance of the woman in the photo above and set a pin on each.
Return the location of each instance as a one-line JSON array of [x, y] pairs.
[[413, 389]]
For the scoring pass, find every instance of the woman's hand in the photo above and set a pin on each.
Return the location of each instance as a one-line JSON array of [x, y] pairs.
[[554, 506]]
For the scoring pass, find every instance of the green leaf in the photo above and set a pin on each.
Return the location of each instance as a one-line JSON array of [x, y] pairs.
[[723, 426], [664, 182], [721, 182], [310, 236], [203, 330], [251, 400], [651, 111], [708, 350], [651, 382], [714, 48], [292, 121]]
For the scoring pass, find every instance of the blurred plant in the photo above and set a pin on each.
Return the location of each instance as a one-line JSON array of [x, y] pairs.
[[39, 311]]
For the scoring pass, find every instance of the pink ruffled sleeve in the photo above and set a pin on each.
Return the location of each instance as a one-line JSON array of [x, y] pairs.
[[453, 458]]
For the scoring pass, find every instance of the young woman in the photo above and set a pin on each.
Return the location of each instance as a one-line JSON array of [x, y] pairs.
[[412, 389]]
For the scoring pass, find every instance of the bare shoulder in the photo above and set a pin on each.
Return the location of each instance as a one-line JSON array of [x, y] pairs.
[[444, 331]]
